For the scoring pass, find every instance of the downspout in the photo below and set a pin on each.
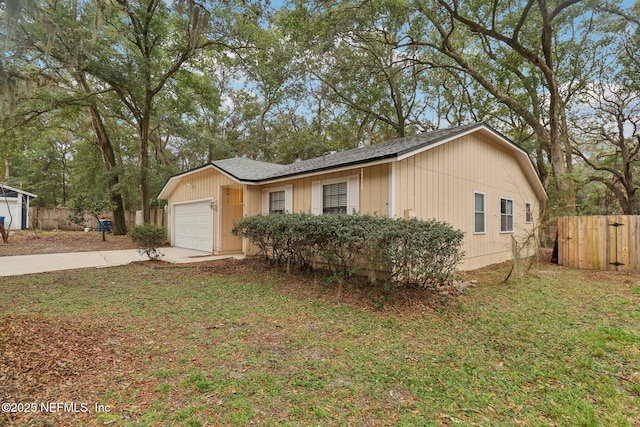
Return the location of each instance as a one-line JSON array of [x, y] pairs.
[[392, 190]]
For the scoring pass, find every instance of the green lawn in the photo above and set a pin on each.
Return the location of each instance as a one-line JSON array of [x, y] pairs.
[[189, 346]]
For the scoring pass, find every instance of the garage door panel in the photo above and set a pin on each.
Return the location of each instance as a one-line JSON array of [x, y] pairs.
[[193, 226]]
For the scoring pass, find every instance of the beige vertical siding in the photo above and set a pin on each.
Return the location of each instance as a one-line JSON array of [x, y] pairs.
[[205, 184], [439, 184], [231, 210], [374, 190], [252, 206], [199, 185]]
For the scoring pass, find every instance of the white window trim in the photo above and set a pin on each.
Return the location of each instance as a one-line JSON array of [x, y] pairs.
[[288, 198], [335, 180], [271, 192], [525, 212], [513, 215], [484, 195], [353, 193]]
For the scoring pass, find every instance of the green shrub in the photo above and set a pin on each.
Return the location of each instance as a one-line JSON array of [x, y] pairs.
[[149, 237], [420, 252], [423, 253]]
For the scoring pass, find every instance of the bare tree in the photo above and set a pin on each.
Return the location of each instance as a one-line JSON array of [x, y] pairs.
[[609, 141]]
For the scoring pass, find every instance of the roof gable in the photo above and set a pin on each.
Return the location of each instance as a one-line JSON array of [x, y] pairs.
[[249, 171]]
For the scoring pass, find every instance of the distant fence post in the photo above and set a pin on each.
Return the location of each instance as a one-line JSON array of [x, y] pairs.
[[157, 217], [610, 242]]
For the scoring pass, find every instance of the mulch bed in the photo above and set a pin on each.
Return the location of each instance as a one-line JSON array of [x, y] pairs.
[[48, 362]]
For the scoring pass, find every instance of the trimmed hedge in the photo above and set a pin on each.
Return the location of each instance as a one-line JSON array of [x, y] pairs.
[[149, 237], [423, 253]]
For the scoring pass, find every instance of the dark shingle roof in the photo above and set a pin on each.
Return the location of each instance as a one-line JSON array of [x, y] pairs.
[[255, 171], [248, 170], [371, 153], [252, 171]]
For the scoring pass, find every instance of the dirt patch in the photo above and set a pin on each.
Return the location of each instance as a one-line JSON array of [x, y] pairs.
[[27, 242], [52, 362]]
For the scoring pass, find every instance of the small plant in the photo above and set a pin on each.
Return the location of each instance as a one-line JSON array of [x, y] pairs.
[[149, 237]]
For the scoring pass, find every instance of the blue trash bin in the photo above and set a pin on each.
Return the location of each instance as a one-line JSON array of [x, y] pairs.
[[107, 226], [2, 221]]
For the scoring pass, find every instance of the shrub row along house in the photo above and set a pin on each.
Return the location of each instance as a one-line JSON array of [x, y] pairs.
[[470, 176]]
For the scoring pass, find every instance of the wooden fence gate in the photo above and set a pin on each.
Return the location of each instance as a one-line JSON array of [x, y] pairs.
[[600, 242]]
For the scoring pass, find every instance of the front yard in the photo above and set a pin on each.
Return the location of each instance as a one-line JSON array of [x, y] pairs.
[[28, 242], [233, 344]]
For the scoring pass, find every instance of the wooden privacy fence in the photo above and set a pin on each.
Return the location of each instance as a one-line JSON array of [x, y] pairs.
[[599, 242], [58, 219]]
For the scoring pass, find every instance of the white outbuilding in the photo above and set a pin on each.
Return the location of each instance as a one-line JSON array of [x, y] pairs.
[[14, 207]]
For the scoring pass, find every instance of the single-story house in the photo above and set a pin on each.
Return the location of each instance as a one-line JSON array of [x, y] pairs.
[[470, 176], [14, 207]]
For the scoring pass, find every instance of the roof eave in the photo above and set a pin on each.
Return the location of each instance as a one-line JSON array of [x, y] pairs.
[[334, 168], [522, 155], [18, 191], [174, 180]]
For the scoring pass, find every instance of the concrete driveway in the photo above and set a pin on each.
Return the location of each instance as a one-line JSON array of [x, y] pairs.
[[30, 264]]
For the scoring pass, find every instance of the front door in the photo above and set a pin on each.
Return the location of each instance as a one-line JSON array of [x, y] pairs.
[[231, 210]]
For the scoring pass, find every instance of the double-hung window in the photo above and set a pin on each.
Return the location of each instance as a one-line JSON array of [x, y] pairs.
[[336, 195], [334, 198], [506, 215], [479, 213], [276, 202]]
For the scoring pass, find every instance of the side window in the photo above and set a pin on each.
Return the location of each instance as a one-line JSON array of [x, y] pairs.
[[334, 198], [276, 202], [528, 213], [479, 212], [506, 215], [336, 195]]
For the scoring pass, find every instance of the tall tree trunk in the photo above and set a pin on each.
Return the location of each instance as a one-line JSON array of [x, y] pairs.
[[547, 134], [541, 166], [106, 149], [633, 204], [7, 173], [64, 180], [566, 192], [119, 226], [567, 197], [566, 141], [144, 165]]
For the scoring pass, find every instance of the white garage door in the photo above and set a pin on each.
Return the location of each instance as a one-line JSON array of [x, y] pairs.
[[193, 226]]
